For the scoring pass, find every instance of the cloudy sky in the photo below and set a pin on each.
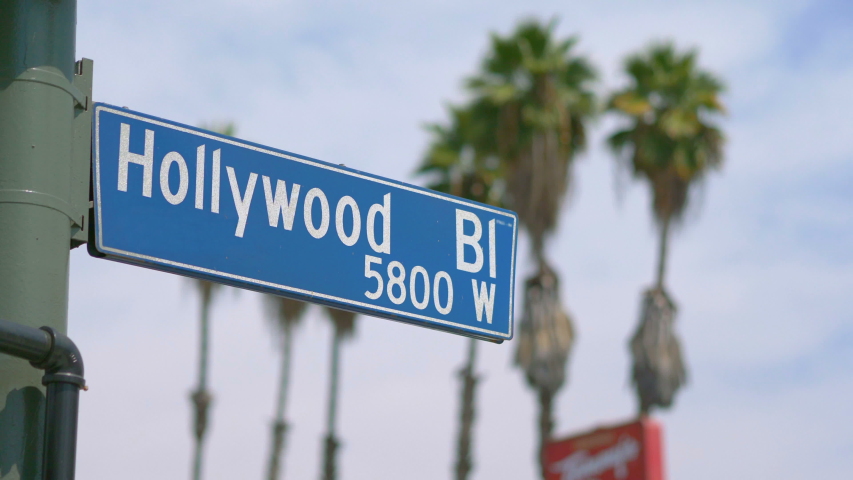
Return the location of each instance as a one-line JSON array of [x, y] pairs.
[[760, 271]]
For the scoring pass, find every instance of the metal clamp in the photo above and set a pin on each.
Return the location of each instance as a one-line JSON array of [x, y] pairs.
[[54, 80], [32, 197]]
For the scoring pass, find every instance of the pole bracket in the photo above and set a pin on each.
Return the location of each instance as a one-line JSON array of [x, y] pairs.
[[56, 80], [81, 163], [31, 197]]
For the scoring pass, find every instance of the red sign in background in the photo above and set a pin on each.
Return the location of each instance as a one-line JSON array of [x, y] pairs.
[[625, 452]]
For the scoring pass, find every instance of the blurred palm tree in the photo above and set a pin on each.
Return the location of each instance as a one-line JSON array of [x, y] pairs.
[[457, 169], [344, 328], [222, 128], [460, 160], [671, 143], [201, 396], [533, 96], [285, 315]]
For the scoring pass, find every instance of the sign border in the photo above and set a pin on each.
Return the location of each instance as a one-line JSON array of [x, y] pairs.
[[274, 288]]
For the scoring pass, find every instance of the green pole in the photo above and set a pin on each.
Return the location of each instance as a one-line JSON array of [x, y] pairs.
[[44, 153]]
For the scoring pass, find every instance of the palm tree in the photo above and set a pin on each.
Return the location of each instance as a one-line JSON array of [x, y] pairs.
[[460, 160], [201, 396], [344, 327], [285, 314], [457, 168], [534, 98], [671, 143]]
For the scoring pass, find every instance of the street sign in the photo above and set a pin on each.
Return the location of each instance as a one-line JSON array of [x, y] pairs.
[[176, 198], [630, 451]]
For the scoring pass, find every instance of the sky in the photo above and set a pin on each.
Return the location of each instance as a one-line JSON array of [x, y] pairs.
[[759, 270]]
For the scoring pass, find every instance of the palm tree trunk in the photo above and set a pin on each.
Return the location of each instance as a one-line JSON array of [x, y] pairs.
[[201, 397], [464, 464], [662, 252], [546, 425], [331, 444], [279, 425]]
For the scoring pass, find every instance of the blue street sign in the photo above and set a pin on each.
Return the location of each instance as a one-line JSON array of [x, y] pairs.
[[176, 198]]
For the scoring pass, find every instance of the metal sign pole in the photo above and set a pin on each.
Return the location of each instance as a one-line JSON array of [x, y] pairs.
[[44, 167]]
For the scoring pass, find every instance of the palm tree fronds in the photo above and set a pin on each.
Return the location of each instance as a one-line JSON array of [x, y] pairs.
[[205, 288], [222, 128], [631, 103], [286, 313], [671, 141], [546, 334], [455, 160], [545, 342], [535, 94], [658, 370], [669, 194], [343, 320]]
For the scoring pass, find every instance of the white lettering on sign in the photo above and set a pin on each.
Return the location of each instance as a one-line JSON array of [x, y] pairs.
[[241, 202], [472, 240], [582, 466], [483, 300], [395, 288], [492, 259], [352, 238], [436, 289], [199, 177], [125, 157], [370, 273], [214, 187], [424, 290], [316, 232], [183, 184], [396, 280], [419, 271], [279, 205], [385, 211], [484, 296]]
